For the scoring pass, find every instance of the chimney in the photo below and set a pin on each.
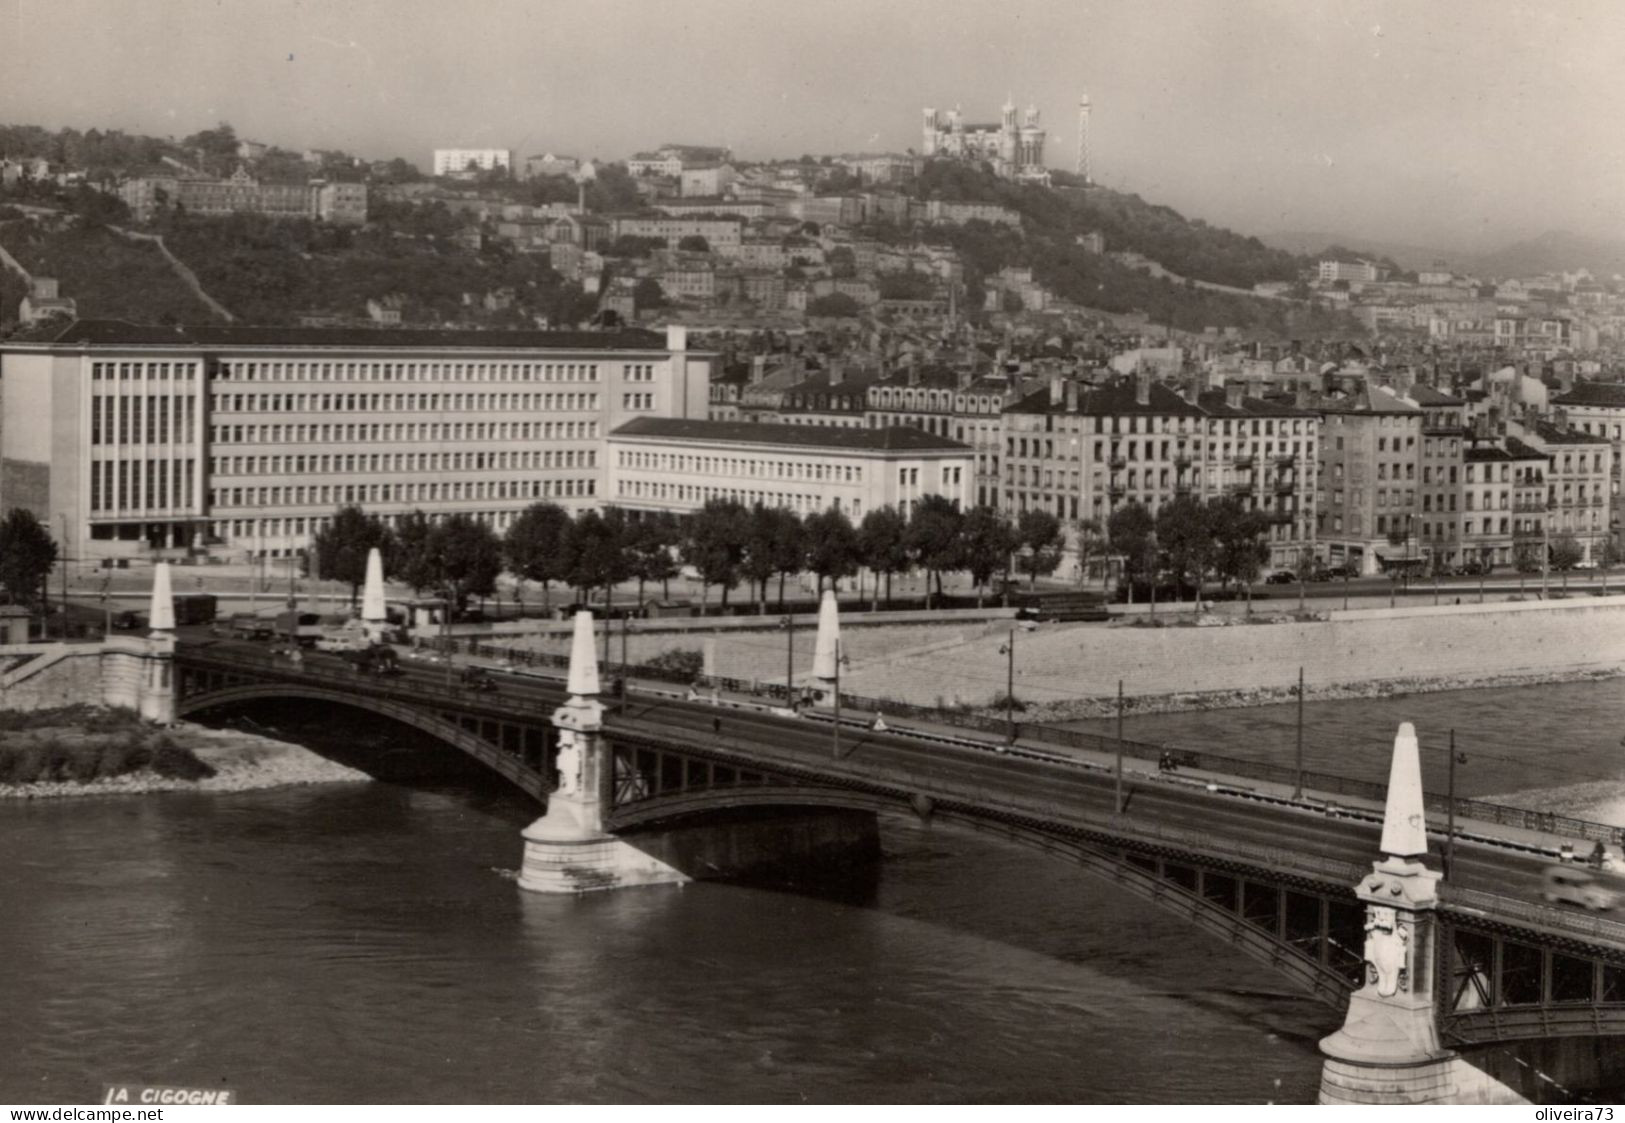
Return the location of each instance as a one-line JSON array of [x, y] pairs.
[[676, 337], [913, 375], [1301, 397], [1234, 392], [1560, 417], [758, 368], [1142, 387], [837, 371], [1056, 394], [1071, 396]]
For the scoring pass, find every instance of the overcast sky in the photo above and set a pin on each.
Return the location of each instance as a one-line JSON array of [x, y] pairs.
[[1456, 122]]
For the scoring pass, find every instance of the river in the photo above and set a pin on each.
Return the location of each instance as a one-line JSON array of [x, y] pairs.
[[366, 943]]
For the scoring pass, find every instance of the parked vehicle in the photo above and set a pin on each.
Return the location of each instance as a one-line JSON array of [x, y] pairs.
[[1281, 577], [374, 660], [195, 608], [252, 627]]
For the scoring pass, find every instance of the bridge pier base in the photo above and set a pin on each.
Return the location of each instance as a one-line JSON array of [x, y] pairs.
[[567, 850]]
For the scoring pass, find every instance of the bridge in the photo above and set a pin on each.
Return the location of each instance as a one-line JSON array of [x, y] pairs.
[[1432, 973]]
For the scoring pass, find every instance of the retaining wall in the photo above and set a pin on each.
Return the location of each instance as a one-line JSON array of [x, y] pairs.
[[1467, 642]]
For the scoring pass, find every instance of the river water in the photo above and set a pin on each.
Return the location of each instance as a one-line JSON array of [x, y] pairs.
[[366, 943]]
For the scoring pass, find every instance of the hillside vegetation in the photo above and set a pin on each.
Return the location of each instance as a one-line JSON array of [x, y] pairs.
[[106, 274]]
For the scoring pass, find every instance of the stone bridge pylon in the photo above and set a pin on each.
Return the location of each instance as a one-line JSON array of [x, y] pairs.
[[568, 850], [1389, 1050]]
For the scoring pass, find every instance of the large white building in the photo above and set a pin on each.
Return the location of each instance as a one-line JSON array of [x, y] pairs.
[[1014, 148], [133, 440], [660, 464], [448, 161]]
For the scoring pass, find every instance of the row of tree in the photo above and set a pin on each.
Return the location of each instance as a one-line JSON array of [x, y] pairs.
[[1189, 540], [725, 543]]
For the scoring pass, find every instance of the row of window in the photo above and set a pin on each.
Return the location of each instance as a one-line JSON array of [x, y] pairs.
[[400, 433], [663, 491], [438, 491], [135, 372], [141, 418], [238, 370], [141, 485], [252, 532], [463, 461], [1044, 449], [736, 466], [404, 403]]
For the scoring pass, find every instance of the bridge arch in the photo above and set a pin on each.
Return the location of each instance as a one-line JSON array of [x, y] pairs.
[[1321, 979], [511, 767]]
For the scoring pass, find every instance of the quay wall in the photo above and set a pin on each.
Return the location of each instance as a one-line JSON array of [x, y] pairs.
[[118, 671], [1458, 643]]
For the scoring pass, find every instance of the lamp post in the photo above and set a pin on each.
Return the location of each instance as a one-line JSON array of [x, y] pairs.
[[840, 658], [1297, 791], [626, 625], [1009, 648], [1118, 804], [788, 623], [445, 634], [1450, 810]]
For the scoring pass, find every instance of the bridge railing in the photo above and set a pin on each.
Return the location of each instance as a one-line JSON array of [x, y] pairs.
[[1326, 782], [1509, 909]]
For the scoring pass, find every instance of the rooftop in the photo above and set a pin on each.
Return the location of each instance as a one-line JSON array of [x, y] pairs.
[[1593, 394], [1118, 399], [118, 333], [901, 438]]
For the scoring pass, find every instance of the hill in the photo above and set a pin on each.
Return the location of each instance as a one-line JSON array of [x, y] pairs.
[[1053, 219], [107, 275], [1557, 251]]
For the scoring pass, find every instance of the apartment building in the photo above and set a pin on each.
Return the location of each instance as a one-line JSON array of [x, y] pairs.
[[1368, 477], [1437, 526], [1580, 473], [245, 440]]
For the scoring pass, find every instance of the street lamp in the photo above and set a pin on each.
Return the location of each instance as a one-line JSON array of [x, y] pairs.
[[788, 624], [840, 660], [1450, 810], [1009, 648]]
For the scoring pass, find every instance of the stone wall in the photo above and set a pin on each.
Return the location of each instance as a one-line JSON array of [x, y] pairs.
[[124, 671]]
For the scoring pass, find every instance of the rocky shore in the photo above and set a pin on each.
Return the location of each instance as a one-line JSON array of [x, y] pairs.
[[239, 762]]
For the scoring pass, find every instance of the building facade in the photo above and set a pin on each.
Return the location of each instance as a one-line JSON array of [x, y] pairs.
[[340, 203], [670, 465], [449, 161], [1014, 148], [245, 440]]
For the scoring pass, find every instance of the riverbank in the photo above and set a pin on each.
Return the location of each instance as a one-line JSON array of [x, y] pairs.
[[84, 751]]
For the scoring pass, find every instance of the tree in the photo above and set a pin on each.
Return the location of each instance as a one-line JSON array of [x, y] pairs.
[[694, 243], [832, 546], [1239, 545], [1091, 543], [595, 552], [647, 293], [27, 553], [883, 545], [758, 566], [342, 546], [1564, 555], [649, 550], [468, 558], [713, 544], [1185, 531], [1130, 530], [415, 562], [834, 304], [987, 542], [934, 541], [534, 546], [1039, 536], [789, 547]]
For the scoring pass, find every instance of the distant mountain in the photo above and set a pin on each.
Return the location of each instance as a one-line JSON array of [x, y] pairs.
[[1556, 251], [1312, 242]]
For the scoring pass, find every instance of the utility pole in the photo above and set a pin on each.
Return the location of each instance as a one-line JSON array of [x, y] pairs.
[[64, 521], [1450, 811], [1009, 649], [788, 623], [1119, 798], [836, 745], [1297, 792]]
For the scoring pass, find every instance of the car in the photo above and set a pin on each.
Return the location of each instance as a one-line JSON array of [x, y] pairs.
[[1336, 572], [1281, 577]]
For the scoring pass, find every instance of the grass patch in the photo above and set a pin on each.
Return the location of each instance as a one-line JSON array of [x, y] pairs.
[[78, 744]]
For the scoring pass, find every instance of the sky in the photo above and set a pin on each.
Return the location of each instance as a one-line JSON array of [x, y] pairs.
[[1461, 124]]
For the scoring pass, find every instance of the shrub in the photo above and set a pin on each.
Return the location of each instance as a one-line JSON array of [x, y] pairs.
[[173, 762], [685, 663], [1003, 701]]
